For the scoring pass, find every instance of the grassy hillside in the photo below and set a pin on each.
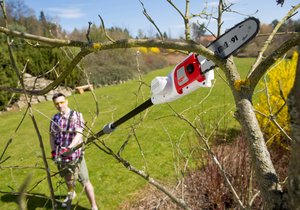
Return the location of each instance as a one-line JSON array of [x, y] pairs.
[[160, 134]]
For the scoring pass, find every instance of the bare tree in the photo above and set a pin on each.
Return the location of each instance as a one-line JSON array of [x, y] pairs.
[[241, 88]]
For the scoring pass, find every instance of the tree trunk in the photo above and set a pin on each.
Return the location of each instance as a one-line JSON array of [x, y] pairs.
[[266, 176], [265, 173], [294, 167]]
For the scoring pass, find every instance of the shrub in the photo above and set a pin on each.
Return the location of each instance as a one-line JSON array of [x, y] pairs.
[[205, 188], [7, 78], [143, 49], [154, 50], [271, 102], [149, 50], [111, 66]]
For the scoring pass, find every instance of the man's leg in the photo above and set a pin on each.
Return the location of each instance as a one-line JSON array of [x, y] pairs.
[[70, 178], [89, 190], [85, 181]]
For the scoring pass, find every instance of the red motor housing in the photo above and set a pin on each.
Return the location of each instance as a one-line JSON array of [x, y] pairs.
[[187, 72]]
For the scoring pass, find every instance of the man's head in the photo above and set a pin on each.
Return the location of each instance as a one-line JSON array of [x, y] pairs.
[[60, 102]]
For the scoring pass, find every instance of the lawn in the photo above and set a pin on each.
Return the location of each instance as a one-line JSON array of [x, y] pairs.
[[160, 135]]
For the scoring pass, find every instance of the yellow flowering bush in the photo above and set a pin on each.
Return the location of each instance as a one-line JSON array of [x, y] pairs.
[[143, 49], [271, 102], [146, 50], [155, 50]]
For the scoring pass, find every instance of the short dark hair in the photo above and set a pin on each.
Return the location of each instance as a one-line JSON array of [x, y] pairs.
[[56, 95]]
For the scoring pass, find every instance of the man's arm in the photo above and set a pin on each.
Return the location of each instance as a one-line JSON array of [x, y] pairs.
[[76, 140], [52, 142], [79, 125]]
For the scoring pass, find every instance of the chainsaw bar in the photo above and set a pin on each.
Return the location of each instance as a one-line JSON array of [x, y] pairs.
[[229, 42]]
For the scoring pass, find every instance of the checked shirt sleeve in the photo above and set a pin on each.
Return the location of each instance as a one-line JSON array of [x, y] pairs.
[[79, 123]]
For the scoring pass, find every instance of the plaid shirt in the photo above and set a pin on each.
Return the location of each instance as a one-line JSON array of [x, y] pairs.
[[62, 138]]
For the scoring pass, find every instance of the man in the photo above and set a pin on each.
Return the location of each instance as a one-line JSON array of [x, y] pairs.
[[66, 129]]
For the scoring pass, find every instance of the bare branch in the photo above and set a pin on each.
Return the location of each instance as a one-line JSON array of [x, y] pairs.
[[151, 20], [17, 71], [277, 34], [176, 8], [52, 42], [7, 144], [21, 199], [270, 38], [153, 182], [88, 32], [294, 112], [219, 19], [141, 150], [103, 28], [214, 158]]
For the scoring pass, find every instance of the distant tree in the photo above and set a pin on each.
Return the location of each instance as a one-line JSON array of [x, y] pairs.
[[165, 35], [274, 23], [42, 17], [44, 24], [297, 25], [197, 30], [289, 26], [141, 34], [17, 10]]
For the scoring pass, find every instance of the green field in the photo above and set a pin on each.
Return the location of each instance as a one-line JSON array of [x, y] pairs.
[[160, 134]]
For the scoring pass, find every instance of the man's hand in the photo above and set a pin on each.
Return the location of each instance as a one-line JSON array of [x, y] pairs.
[[53, 155], [64, 150]]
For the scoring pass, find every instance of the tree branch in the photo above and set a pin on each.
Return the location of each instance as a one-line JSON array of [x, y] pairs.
[[151, 20], [271, 37], [261, 69], [294, 112]]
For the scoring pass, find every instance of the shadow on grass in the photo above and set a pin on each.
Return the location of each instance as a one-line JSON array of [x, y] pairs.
[[38, 201]]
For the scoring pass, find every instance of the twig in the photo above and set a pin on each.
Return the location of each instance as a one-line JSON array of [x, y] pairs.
[[88, 32], [176, 168], [6, 146], [141, 150], [151, 20], [214, 158], [21, 198], [103, 28], [270, 38], [153, 182], [125, 143], [278, 33], [22, 167]]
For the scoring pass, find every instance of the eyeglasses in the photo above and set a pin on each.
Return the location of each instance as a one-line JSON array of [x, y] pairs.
[[59, 103]]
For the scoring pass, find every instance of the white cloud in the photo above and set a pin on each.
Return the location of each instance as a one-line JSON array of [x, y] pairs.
[[70, 13]]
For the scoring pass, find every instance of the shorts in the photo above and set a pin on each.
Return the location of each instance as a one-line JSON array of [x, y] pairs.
[[76, 167]]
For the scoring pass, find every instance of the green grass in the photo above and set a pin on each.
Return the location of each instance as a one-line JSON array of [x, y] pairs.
[[158, 135]]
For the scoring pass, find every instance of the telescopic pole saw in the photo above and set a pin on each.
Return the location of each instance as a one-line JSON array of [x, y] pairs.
[[193, 72]]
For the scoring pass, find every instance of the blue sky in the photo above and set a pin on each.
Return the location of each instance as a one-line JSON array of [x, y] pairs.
[[128, 14]]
